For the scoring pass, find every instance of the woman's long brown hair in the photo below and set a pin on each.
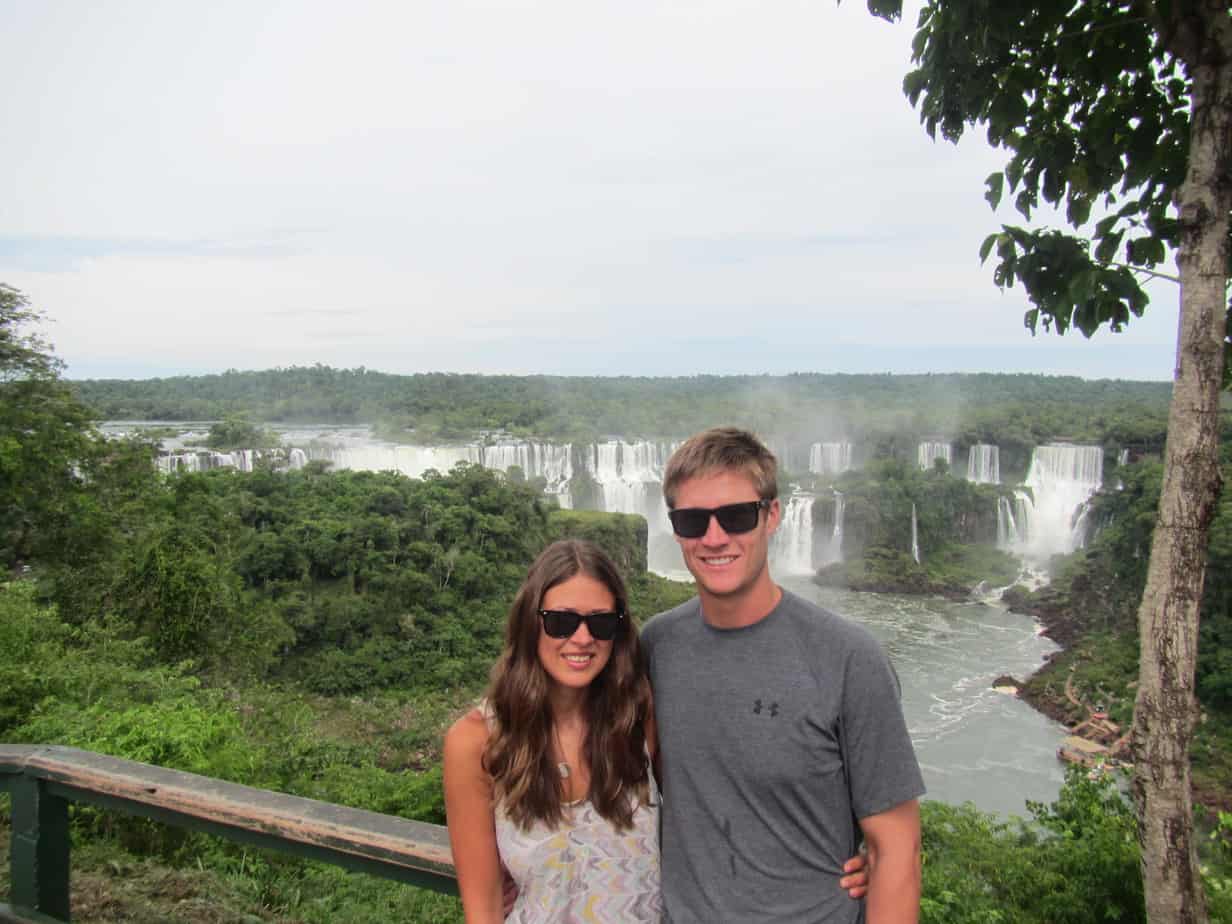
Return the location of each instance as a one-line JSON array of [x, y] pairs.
[[518, 755]]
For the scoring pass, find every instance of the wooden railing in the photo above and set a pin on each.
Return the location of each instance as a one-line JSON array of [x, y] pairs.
[[43, 780]]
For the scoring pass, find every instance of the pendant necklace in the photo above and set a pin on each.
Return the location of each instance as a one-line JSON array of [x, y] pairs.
[[563, 765]]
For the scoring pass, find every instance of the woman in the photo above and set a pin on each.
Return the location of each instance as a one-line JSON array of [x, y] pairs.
[[550, 778]]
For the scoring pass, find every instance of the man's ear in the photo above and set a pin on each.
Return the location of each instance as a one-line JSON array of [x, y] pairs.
[[774, 515]]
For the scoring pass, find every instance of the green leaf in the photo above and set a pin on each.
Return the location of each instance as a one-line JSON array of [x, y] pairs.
[[1079, 210], [986, 247], [1107, 247], [995, 184]]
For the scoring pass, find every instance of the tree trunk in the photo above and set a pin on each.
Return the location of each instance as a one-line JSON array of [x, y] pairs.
[[1166, 708]]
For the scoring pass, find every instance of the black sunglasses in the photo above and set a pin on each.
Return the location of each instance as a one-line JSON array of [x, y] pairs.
[[563, 623], [692, 522]]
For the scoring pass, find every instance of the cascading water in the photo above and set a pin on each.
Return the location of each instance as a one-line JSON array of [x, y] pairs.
[[1049, 520], [550, 461], [984, 464], [412, 461], [204, 460], [792, 546], [830, 458], [831, 550], [630, 476], [1007, 527], [915, 537], [931, 450]]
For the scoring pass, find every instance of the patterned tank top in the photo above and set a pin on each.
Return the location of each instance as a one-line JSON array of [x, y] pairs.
[[585, 870]]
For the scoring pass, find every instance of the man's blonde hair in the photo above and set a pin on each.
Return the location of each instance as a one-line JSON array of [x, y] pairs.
[[722, 449]]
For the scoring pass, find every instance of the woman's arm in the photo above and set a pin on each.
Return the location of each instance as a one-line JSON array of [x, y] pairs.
[[472, 828]]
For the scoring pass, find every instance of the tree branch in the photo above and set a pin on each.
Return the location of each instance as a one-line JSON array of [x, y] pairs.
[[1148, 272]]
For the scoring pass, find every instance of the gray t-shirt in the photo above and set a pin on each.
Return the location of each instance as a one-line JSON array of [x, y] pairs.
[[757, 817]]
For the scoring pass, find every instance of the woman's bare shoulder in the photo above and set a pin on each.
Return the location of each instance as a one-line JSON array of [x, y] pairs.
[[469, 734]]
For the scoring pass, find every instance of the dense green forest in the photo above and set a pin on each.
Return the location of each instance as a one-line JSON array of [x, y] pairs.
[[885, 411], [314, 631]]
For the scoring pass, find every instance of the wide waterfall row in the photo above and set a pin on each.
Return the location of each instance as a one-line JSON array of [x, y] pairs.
[[1049, 519], [830, 458], [984, 464], [931, 450], [204, 460]]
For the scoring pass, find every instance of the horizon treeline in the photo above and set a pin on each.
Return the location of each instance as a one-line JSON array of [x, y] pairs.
[[424, 407]]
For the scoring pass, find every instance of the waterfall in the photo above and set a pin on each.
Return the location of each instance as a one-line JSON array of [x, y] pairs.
[[832, 550], [630, 476], [915, 537], [550, 461], [1007, 527], [204, 460], [1050, 520], [984, 464], [411, 461], [792, 546], [297, 459], [931, 450], [1122, 458], [830, 458]]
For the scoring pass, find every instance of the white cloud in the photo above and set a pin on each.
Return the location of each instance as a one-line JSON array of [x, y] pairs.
[[499, 186]]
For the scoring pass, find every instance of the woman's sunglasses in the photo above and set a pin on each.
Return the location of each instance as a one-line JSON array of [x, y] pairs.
[[692, 522], [563, 623]]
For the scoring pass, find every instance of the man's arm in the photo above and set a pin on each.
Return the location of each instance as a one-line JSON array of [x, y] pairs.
[[893, 839]]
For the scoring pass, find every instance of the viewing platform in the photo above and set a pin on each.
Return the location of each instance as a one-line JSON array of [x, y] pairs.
[[43, 780]]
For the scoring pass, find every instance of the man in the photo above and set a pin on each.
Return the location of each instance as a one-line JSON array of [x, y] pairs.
[[779, 723]]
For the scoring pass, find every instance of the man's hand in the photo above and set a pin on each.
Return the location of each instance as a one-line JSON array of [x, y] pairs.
[[855, 876]]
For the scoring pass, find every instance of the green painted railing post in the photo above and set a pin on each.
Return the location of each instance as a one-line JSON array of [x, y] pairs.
[[40, 849]]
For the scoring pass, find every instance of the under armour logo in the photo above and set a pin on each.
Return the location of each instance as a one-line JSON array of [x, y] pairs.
[[757, 708]]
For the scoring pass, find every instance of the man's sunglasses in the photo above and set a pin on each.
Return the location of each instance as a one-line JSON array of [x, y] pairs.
[[692, 522], [563, 623]]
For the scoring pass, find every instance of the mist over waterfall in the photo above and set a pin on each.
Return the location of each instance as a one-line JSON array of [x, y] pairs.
[[931, 450], [1049, 519], [830, 458], [984, 464], [792, 546]]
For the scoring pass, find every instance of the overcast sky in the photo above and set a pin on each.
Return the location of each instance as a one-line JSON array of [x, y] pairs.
[[724, 186]]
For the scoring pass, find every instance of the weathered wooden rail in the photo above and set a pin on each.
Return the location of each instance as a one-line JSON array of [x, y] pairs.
[[43, 780]]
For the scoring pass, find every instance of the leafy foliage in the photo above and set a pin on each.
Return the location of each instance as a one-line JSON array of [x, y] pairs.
[[1076, 864], [1094, 114]]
